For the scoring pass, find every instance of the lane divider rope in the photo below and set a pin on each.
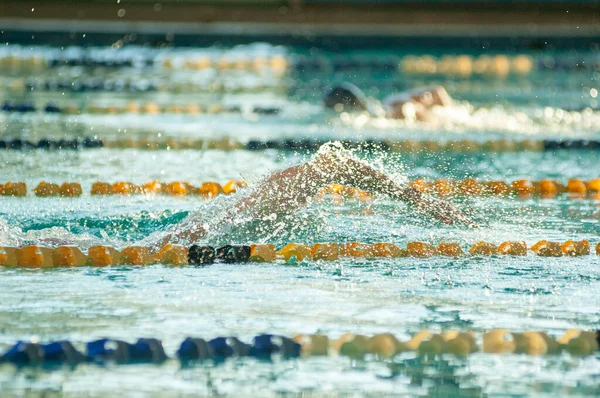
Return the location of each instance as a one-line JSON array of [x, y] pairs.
[[73, 189], [147, 108], [459, 65], [275, 62], [34, 256], [127, 85], [232, 144], [522, 188], [384, 346]]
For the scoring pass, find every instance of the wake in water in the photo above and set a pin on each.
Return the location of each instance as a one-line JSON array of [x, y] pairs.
[[463, 118], [268, 209], [432, 109]]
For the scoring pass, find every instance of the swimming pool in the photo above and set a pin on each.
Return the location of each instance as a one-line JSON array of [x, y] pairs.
[[361, 296]]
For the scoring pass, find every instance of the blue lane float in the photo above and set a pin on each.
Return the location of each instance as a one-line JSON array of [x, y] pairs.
[[147, 350], [24, 353], [142, 351], [51, 144], [269, 346]]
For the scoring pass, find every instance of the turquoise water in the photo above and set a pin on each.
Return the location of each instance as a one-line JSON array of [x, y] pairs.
[[400, 296]]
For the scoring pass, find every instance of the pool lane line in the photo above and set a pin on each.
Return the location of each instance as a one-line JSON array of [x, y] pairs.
[[453, 65], [444, 188], [40, 257], [129, 86], [309, 145], [32, 62], [133, 107], [383, 346]]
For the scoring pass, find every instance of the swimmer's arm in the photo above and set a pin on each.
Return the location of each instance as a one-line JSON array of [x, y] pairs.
[[348, 171], [291, 188]]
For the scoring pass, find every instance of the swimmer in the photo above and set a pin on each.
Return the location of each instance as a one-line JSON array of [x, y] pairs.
[[290, 189], [413, 105]]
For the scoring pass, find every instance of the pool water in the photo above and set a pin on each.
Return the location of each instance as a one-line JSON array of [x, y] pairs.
[[401, 296]]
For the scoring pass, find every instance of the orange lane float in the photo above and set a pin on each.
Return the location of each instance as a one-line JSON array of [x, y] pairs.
[[353, 346], [449, 249], [68, 256], [45, 189], [523, 188], [101, 188], [420, 185], [513, 248], [175, 188], [444, 188], [381, 249], [460, 343], [314, 344], [103, 256], [14, 189], [325, 251], [175, 255], [152, 187], [263, 253], [354, 249], [8, 256], [498, 341], [70, 189], [293, 252], [471, 187], [384, 345], [34, 257], [484, 249], [210, 190], [545, 248], [232, 186], [593, 186], [534, 343], [420, 249], [583, 343], [572, 248], [547, 188], [136, 255], [125, 188], [576, 188]]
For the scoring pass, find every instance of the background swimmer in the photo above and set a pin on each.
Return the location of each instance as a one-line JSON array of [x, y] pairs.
[[412, 104]]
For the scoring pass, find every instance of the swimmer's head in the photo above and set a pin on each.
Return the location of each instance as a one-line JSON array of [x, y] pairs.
[[345, 96]]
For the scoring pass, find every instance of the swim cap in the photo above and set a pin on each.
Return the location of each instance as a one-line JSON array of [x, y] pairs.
[[345, 94]]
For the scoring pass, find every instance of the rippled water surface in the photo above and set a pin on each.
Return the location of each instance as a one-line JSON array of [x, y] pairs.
[[401, 296]]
